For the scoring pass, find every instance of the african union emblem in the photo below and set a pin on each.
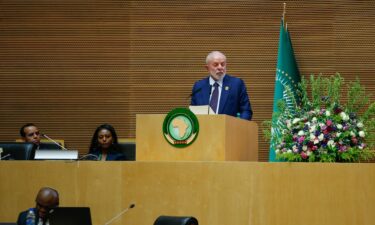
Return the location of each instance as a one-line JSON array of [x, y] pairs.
[[180, 127]]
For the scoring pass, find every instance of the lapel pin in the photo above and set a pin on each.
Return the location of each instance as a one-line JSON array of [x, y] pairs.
[[226, 88]]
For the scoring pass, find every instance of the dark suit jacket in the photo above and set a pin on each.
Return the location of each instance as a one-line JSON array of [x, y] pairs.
[[113, 154], [22, 217], [233, 100]]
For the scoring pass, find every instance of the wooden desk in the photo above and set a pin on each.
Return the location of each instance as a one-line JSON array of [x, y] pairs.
[[219, 193]]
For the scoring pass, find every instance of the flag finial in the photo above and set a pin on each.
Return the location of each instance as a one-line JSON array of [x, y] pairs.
[[284, 12]]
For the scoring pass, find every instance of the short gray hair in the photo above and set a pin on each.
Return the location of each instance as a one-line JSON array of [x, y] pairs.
[[212, 54]]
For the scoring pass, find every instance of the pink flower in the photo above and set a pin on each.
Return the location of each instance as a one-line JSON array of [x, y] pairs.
[[329, 122], [342, 148], [303, 155], [354, 140], [301, 139]]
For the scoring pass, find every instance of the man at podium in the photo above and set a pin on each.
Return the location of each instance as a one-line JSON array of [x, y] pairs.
[[225, 94]]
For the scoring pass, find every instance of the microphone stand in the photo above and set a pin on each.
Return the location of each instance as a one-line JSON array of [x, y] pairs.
[[122, 212], [55, 142], [5, 156], [209, 100], [88, 155]]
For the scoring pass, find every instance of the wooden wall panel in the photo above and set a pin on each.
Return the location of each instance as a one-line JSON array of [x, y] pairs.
[[69, 66]]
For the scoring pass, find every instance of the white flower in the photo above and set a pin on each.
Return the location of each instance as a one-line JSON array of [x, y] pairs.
[[328, 113], [321, 137], [338, 134], [289, 151], [304, 148], [308, 123], [331, 143], [339, 126], [344, 116], [360, 125], [314, 119], [361, 133], [308, 153], [277, 151], [312, 137], [312, 129], [296, 120], [316, 141], [301, 133], [288, 124], [352, 134]]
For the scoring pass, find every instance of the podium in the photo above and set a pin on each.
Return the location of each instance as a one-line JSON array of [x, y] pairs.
[[220, 138]]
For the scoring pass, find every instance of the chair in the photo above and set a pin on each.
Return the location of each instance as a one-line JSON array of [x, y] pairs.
[[47, 144], [176, 220], [17, 150], [128, 149], [8, 223]]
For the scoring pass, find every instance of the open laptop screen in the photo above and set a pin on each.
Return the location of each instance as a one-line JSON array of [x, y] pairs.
[[70, 216]]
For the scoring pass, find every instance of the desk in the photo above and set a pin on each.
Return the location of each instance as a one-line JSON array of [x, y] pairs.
[[217, 193]]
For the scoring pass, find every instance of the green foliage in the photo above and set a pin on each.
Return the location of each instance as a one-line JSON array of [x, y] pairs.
[[322, 129], [357, 98]]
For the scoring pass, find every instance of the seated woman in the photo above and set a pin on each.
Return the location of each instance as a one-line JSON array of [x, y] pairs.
[[104, 144]]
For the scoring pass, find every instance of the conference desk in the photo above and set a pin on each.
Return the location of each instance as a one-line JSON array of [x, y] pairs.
[[217, 193]]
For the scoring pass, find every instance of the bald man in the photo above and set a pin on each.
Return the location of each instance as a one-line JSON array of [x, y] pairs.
[[46, 200], [225, 94]]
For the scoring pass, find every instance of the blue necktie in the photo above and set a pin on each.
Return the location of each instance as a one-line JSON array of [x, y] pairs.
[[214, 97]]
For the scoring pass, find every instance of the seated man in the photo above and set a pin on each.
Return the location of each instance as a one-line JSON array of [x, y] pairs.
[[30, 133], [46, 200]]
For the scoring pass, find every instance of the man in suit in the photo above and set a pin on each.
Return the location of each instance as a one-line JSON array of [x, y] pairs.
[[224, 93], [30, 133], [46, 200]]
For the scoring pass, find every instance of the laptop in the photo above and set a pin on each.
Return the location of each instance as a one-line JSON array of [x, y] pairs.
[[70, 216], [56, 154]]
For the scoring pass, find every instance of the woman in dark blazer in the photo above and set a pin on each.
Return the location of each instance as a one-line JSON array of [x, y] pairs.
[[104, 144]]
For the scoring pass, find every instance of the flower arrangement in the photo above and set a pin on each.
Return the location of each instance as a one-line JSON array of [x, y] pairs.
[[322, 129]]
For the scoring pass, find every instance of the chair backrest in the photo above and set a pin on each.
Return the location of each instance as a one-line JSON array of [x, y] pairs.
[[18, 150], [176, 220], [128, 149], [47, 144]]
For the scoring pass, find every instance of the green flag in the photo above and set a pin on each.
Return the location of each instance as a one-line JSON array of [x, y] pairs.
[[287, 73]]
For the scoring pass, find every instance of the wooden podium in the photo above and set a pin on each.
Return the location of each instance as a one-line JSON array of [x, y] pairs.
[[220, 138]]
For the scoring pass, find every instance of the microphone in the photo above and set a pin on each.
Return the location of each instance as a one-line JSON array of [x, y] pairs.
[[118, 215], [209, 98], [96, 158], [55, 142], [5, 156]]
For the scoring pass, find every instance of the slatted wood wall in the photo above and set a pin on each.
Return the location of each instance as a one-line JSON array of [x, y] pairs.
[[70, 65]]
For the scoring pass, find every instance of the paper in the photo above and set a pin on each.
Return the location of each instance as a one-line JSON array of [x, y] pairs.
[[202, 110]]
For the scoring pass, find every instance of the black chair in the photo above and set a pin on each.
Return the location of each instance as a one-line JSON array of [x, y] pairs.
[[176, 220], [49, 146], [128, 149], [17, 150], [8, 223]]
